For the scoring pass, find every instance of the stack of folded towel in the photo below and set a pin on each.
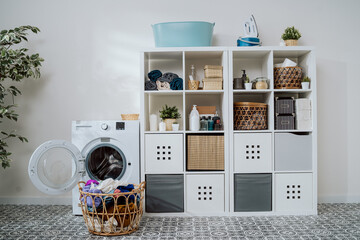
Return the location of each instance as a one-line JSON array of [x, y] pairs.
[[166, 81], [303, 114]]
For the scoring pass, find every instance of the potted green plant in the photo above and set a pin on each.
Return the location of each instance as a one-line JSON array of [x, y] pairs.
[[305, 84], [248, 84], [15, 65], [169, 115], [291, 36]]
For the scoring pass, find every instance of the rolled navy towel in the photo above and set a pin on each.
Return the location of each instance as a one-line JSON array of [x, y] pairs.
[[150, 85], [176, 84], [154, 75]]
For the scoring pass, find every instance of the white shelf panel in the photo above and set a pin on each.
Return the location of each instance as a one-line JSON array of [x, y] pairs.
[[164, 92], [204, 91], [289, 130], [253, 91], [205, 132], [252, 131], [165, 132], [293, 90]]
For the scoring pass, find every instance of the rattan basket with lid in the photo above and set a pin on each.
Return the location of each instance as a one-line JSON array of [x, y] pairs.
[[250, 116]]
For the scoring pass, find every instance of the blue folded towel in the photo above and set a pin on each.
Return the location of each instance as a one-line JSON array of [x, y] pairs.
[[176, 84], [154, 75]]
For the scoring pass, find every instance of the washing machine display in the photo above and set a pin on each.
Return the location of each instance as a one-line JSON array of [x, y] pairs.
[[98, 151]]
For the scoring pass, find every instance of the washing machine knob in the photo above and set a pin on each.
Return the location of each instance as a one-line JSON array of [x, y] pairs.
[[104, 126]]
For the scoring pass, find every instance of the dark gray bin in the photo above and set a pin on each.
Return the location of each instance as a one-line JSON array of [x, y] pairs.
[[252, 192], [285, 122], [164, 193], [284, 105]]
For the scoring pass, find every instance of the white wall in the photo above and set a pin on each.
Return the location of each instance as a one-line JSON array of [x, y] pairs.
[[91, 72]]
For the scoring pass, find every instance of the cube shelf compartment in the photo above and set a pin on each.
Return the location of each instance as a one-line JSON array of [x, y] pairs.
[[262, 171]]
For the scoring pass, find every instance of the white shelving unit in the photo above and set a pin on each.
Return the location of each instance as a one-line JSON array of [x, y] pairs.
[[289, 189]]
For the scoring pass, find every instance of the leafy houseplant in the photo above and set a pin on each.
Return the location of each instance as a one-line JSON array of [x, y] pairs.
[[291, 36], [15, 65], [169, 115]]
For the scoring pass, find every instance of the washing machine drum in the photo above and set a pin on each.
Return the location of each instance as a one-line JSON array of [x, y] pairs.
[[105, 161]]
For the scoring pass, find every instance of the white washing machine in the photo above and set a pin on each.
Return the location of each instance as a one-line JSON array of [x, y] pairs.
[[99, 150]]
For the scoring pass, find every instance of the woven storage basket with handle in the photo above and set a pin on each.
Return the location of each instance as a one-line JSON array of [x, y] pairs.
[[205, 152], [117, 214], [250, 116], [133, 116], [213, 71], [287, 77]]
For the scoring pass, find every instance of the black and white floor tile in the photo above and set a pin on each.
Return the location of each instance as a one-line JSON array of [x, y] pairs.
[[334, 221]]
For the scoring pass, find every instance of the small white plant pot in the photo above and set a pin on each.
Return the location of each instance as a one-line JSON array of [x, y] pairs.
[[175, 127], [162, 127], [305, 85], [248, 86]]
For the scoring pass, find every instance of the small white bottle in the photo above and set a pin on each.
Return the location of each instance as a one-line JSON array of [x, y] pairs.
[[162, 126], [153, 122], [194, 119]]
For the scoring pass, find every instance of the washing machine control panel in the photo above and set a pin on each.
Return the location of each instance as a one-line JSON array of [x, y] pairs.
[[120, 126], [104, 126]]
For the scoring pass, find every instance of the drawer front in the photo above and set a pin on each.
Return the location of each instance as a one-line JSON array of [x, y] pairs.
[[252, 152], [252, 192], [205, 193], [164, 153], [293, 152], [164, 193], [293, 192]]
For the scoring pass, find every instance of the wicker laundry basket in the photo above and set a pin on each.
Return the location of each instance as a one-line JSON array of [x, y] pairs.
[[133, 116], [121, 215], [287, 77], [250, 116]]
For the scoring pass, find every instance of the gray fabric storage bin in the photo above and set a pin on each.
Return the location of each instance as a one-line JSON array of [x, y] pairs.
[[252, 192], [164, 193], [293, 152], [284, 105], [285, 122]]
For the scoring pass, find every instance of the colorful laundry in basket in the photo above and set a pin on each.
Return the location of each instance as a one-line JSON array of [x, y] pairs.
[[89, 199]]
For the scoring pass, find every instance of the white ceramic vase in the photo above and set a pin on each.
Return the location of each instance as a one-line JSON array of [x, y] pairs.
[[305, 85], [248, 86]]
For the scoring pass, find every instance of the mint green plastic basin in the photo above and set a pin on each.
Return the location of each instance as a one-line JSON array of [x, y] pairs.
[[183, 34]]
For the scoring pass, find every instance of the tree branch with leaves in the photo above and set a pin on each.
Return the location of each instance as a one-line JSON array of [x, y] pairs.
[[15, 65]]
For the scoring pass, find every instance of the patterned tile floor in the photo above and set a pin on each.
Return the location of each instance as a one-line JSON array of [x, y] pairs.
[[335, 221]]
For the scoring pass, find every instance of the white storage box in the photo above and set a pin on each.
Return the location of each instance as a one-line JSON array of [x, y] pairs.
[[205, 193], [293, 192], [293, 152], [252, 152], [302, 104], [164, 153]]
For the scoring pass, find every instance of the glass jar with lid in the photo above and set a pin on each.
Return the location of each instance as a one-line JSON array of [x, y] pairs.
[[261, 83]]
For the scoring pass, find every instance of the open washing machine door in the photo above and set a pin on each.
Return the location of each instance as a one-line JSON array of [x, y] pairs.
[[56, 166]]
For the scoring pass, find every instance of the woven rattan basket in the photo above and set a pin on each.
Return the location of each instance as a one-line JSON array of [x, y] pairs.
[[287, 77], [121, 215], [193, 84], [205, 152], [213, 71], [250, 116], [129, 116], [212, 84]]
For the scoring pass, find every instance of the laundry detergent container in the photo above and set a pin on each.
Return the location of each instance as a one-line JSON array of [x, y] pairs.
[[183, 34]]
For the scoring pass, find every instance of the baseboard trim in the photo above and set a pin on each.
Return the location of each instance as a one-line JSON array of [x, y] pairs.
[[36, 200], [339, 199]]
